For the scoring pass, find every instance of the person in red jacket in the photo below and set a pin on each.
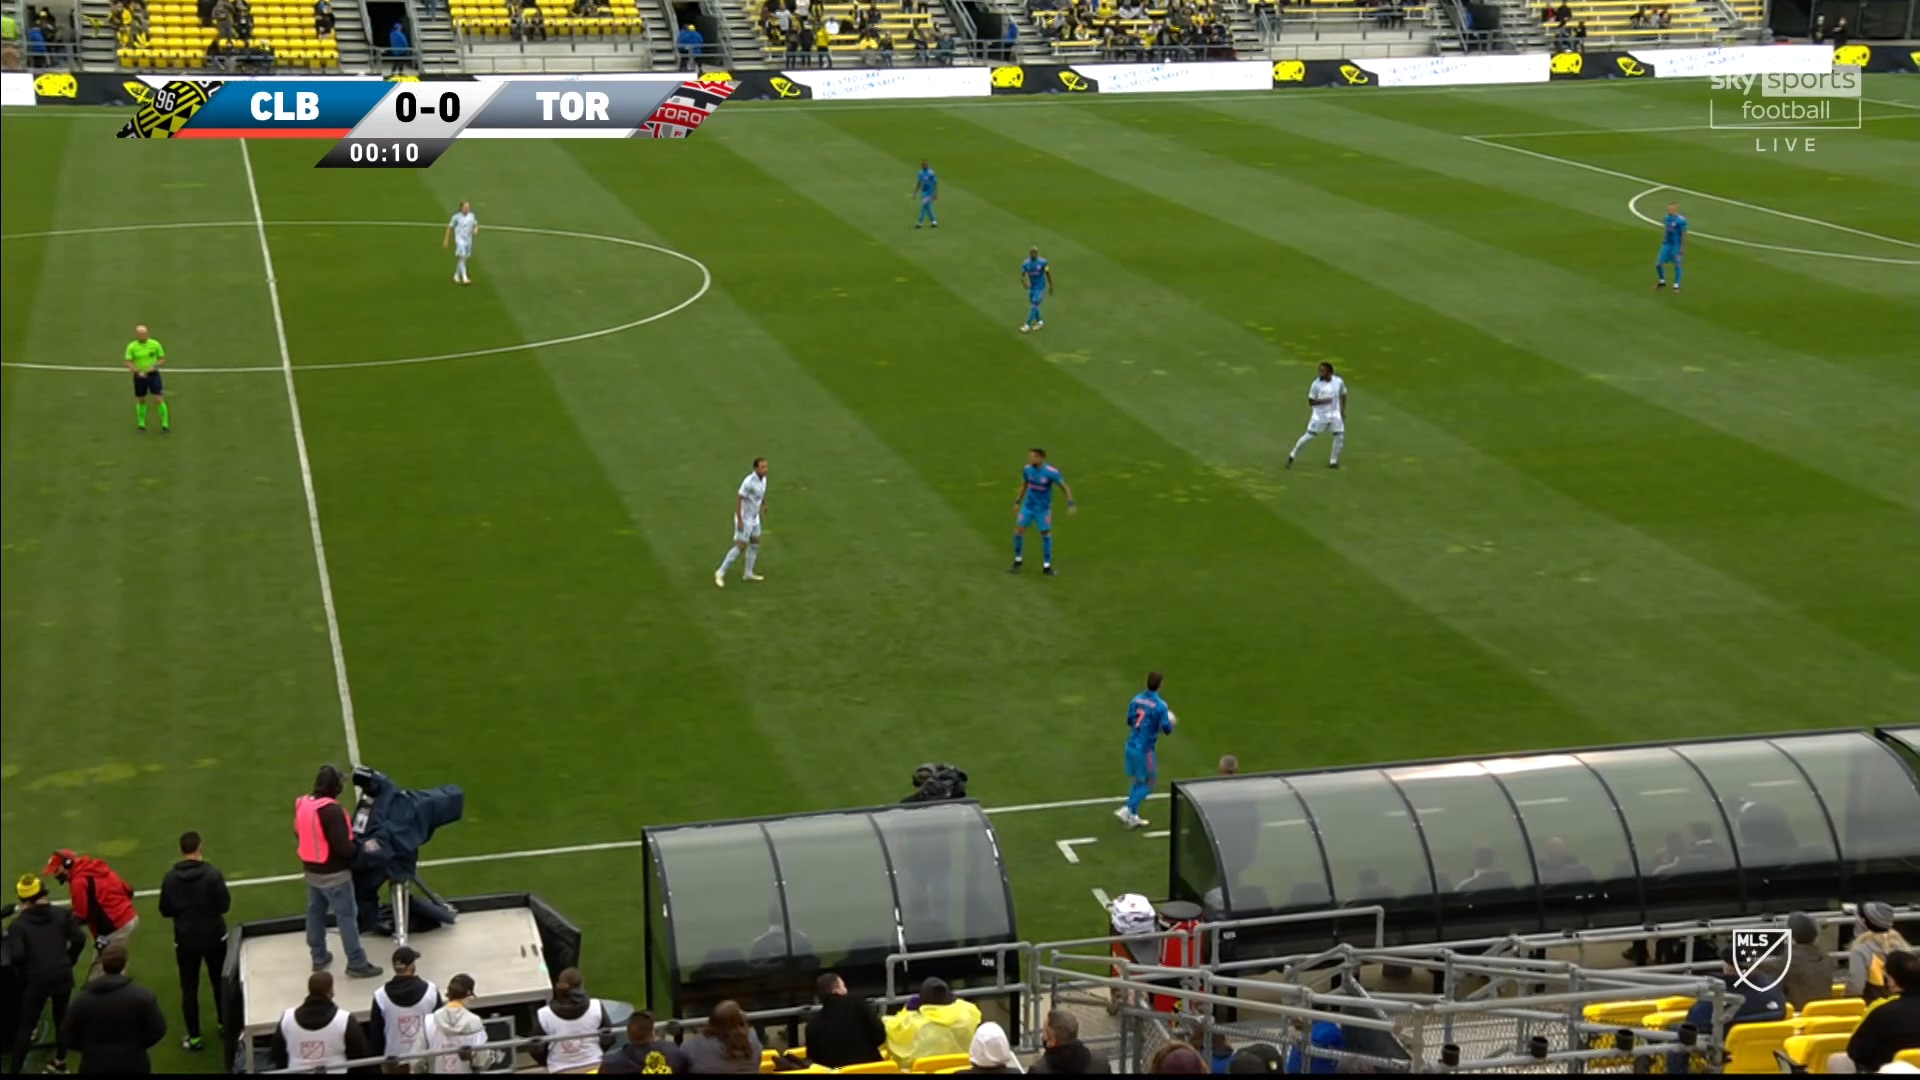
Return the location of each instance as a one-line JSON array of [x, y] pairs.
[[102, 902]]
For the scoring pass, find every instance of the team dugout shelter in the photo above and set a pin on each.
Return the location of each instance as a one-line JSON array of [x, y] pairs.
[[754, 910], [1618, 836]]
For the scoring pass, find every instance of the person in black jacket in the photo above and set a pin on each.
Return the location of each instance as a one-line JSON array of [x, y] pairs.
[[846, 1030], [194, 895], [1892, 1024], [114, 1022], [1065, 1053], [43, 944]]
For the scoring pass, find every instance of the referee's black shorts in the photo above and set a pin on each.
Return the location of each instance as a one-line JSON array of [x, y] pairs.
[[149, 383]]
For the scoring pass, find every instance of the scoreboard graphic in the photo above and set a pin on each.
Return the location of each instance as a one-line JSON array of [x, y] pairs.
[[408, 125]]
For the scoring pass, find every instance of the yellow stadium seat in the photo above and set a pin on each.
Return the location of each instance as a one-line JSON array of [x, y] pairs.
[[941, 1063], [1750, 1047], [871, 1068], [1814, 1050], [956, 1069], [1836, 1007], [1675, 1004], [767, 1058], [1911, 1057], [1620, 1013], [1828, 1025], [1664, 1020]]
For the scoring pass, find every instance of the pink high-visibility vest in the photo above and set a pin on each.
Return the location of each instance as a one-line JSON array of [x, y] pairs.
[[308, 834]]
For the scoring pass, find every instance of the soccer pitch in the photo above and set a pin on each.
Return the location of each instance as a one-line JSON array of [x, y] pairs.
[[1571, 510]]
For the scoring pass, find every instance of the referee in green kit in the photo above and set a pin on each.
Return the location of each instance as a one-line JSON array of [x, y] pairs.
[[145, 356]]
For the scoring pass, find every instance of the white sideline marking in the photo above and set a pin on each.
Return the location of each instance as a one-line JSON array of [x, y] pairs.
[[1100, 897], [1633, 207], [1158, 834], [1675, 127], [1066, 847], [306, 471], [1895, 104], [622, 845], [1657, 185]]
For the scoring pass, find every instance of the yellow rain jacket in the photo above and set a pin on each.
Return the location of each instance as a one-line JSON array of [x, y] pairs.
[[931, 1029]]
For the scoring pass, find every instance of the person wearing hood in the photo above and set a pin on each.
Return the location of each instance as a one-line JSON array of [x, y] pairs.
[[43, 944], [1808, 972], [1755, 1006], [934, 1023], [318, 1034], [194, 895], [576, 1026], [846, 1030], [725, 1045], [102, 900], [1867, 956], [456, 1034], [114, 1021], [645, 1052], [397, 1027], [1065, 1053], [992, 1052]]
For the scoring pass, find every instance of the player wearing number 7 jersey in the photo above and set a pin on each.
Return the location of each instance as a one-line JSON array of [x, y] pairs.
[[460, 234], [1148, 718]]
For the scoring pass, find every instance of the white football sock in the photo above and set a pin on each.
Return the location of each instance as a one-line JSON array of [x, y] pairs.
[[1338, 442]]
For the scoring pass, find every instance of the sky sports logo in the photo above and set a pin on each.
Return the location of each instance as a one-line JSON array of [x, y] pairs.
[[1787, 101]]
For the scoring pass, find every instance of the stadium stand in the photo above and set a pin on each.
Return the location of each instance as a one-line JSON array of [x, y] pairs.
[[858, 30], [1133, 30], [510, 19], [1338, 19], [1631, 21], [276, 34]]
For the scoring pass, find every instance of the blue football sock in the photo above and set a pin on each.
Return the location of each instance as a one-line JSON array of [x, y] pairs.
[[1033, 314], [1137, 796], [1018, 543], [1046, 548], [1676, 275], [1660, 272]]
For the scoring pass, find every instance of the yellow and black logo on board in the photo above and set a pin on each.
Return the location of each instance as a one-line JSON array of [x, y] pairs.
[[165, 110], [1568, 63], [1853, 55], [1354, 76], [1290, 71], [1075, 82], [1009, 77], [786, 88], [60, 85], [1631, 68], [716, 76], [403, 78]]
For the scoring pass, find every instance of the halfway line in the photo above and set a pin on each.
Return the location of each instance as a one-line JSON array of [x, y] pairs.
[[306, 470]]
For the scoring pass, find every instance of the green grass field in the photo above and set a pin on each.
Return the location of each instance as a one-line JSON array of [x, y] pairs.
[[1573, 511]]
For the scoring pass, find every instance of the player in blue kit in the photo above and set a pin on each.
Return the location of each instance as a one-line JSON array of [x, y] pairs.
[[1034, 507], [1148, 718], [1672, 246], [1039, 282], [927, 186]]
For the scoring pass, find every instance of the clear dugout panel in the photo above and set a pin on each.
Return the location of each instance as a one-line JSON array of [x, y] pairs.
[[839, 889], [1673, 817], [1268, 857], [724, 908], [1780, 829], [947, 875], [1871, 797], [1482, 862], [1374, 850], [1585, 864]]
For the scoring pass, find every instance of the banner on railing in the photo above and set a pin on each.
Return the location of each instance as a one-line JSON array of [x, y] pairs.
[[862, 84], [1456, 70]]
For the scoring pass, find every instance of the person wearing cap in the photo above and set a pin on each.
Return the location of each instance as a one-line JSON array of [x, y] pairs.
[[398, 1024], [1065, 1053], [1893, 1024], [1807, 973], [324, 839], [992, 1052], [194, 895], [318, 1034], [102, 900], [43, 944], [114, 1021], [935, 1023], [1867, 956]]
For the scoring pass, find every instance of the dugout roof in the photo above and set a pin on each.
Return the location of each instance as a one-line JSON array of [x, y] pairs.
[[754, 909], [1609, 836]]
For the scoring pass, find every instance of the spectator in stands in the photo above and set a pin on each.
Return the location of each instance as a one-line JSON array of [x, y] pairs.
[[689, 44], [536, 22], [114, 1022], [1065, 1054], [194, 895], [725, 1045], [1756, 1006], [1841, 35], [1892, 1025], [992, 1052], [934, 1022], [796, 47], [43, 944], [456, 1032], [242, 17], [1808, 971], [36, 47], [323, 18], [1009, 39], [576, 1025], [397, 1027], [846, 1030], [886, 48], [1256, 1059], [101, 900], [1877, 939], [1580, 36], [398, 50], [646, 1052], [326, 849], [1819, 30], [1176, 1059], [944, 48], [1563, 14], [324, 1035], [823, 46], [917, 37], [1636, 21]]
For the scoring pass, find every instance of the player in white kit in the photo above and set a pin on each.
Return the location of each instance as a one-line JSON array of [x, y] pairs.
[[747, 507], [1328, 396], [460, 234]]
